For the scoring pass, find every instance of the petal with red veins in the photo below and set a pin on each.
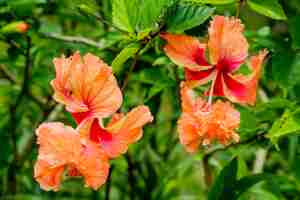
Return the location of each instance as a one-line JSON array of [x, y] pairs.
[[243, 87], [226, 41], [86, 85], [186, 50]]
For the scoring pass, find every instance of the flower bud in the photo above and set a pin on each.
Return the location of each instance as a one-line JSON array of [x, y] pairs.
[[15, 27]]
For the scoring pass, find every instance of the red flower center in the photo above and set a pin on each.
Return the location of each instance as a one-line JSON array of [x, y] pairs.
[[97, 133]]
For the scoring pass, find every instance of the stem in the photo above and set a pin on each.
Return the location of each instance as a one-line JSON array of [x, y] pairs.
[[131, 178], [73, 39], [108, 184], [12, 169], [238, 8], [133, 65]]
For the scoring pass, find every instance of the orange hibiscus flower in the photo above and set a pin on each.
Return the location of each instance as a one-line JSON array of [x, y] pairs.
[[200, 124], [86, 86], [60, 149], [227, 49]]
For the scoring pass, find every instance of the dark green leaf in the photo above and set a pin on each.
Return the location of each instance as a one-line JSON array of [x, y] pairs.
[[223, 185], [187, 16]]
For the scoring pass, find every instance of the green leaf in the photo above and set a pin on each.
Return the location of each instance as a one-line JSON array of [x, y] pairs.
[[269, 8], [289, 75], [213, 2], [123, 56], [223, 185], [150, 12], [294, 30], [289, 123], [124, 14], [248, 120], [187, 16], [132, 18]]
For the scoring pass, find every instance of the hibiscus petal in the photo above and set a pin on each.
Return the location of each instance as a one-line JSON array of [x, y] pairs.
[[189, 102], [235, 90], [58, 144], [86, 85], [242, 88], [227, 42], [186, 50], [188, 132], [49, 177], [218, 85], [126, 130], [93, 165]]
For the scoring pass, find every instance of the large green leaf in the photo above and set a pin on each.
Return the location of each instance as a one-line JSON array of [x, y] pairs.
[[223, 185], [124, 14], [187, 16], [138, 15], [289, 123], [269, 8]]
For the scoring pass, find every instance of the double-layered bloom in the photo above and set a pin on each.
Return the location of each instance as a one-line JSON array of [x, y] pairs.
[[88, 89], [227, 49], [200, 125]]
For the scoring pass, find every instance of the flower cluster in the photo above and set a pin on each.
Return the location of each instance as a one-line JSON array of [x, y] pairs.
[[88, 89], [204, 121]]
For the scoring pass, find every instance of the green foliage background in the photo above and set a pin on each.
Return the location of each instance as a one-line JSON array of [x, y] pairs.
[[125, 33]]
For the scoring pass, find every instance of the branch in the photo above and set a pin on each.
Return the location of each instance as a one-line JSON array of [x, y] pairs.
[[108, 183], [12, 78], [12, 169], [73, 39], [133, 65]]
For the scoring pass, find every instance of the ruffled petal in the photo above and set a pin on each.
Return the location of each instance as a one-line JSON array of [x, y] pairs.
[[189, 132], [186, 50], [227, 42], [223, 121], [93, 165], [86, 85], [47, 176]]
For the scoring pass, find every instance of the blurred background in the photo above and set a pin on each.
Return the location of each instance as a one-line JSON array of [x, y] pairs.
[[33, 32]]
